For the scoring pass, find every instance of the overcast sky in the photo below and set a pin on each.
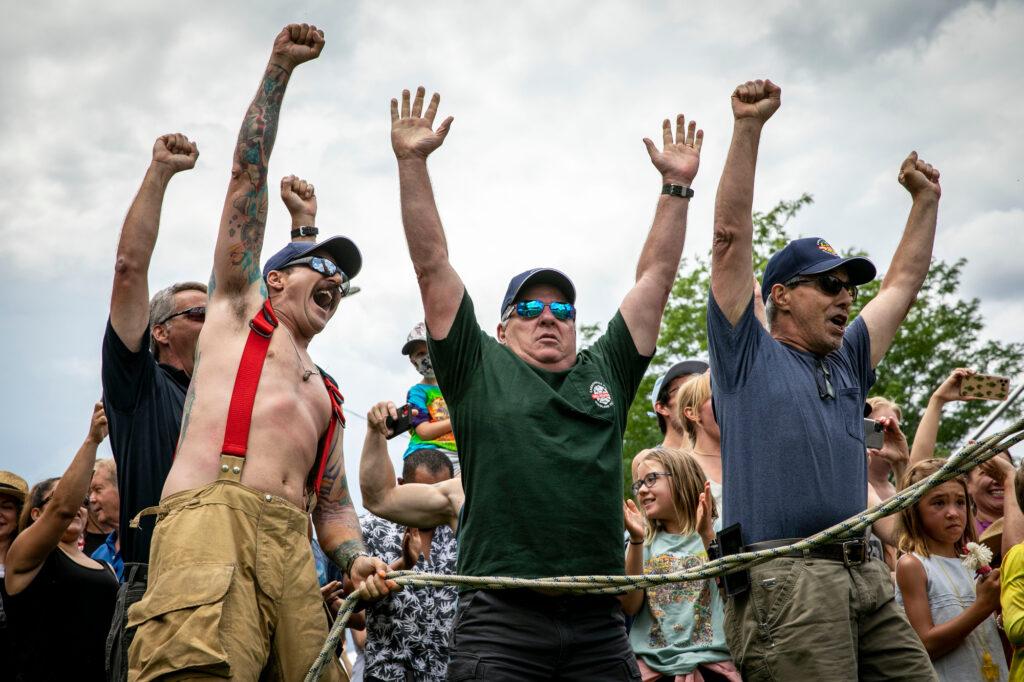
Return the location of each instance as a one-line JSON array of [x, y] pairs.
[[544, 164]]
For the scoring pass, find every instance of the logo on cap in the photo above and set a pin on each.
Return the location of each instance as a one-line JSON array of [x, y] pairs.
[[600, 395], [826, 247]]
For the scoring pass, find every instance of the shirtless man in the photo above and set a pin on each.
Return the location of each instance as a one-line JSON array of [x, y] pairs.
[[215, 605]]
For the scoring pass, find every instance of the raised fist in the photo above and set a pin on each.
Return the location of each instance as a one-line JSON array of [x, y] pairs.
[[412, 131], [919, 177], [175, 152], [679, 159], [98, 424], [756, 99], [297, 43], [299, 198]]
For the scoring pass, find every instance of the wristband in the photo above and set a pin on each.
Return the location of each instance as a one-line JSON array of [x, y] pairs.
[[636, 543], [681, 191], [308, 231], [348, 569]]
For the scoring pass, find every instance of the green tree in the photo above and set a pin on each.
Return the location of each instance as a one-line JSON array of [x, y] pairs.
[[941, 332]]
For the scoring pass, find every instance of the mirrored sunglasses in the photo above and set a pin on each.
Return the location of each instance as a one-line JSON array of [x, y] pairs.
[[560, 309], [325, 267]]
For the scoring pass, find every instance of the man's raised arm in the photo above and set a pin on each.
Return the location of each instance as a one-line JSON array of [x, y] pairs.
[[885, 312], [236, 260], [410, 504], [129, 300], [413, 139], [732, 268], [643, 306]]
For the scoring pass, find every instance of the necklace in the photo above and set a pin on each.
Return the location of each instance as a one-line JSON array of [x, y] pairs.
[[989, 670], [306, 372]]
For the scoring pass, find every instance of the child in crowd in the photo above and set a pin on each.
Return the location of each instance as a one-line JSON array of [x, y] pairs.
[[431, 426], [697, 417], [950, 613], [679, 630]]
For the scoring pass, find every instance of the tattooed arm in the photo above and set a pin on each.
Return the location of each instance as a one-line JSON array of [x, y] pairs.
[[337, 528], [236, 261]]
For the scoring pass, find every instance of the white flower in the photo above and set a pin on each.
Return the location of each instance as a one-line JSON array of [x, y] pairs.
[[976, 556]]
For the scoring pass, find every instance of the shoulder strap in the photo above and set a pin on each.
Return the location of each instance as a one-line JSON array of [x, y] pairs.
[[236, 430], [337, 419]]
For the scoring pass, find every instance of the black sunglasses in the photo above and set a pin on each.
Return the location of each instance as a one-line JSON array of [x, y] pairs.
[[828, 284], [85, 502], [195, 313]]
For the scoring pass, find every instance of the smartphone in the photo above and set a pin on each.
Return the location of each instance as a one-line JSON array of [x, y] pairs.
[[985, 387], [730, 541], [874, 437], [402, 424]]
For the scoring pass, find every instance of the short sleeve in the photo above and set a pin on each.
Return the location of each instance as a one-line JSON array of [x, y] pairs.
[[124, 373], [732, 349], [627, 365], [457, 356], [857, 350], [417, 398]]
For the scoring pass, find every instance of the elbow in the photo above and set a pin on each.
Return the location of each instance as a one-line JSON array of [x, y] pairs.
[[127, 268]]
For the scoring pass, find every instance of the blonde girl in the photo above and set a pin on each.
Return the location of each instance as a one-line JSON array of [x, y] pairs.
[[694, 412], [678, 632], [950, 613]]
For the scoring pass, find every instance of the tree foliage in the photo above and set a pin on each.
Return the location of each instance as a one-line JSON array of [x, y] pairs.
[[941, 332]]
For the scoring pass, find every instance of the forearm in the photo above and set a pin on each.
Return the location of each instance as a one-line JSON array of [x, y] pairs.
[[913, 256], [659, 259], [240, 241], [338, 531], [376, 473], [74, 483], [633, 601], [424, 232], [927, 432], [944, 638], [434, 430]]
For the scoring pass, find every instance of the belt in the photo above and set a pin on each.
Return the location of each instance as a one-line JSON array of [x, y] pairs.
[[849, 552]]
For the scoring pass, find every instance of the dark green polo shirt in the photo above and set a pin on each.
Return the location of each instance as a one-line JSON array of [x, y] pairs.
[[541, 452]]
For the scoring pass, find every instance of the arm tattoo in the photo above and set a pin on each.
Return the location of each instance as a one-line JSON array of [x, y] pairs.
[[252, 153], [344, 554]]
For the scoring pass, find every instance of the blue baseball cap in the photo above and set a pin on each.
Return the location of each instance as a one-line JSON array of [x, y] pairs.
[[341, 250], [812, 256], [680, 369], [555, 278]]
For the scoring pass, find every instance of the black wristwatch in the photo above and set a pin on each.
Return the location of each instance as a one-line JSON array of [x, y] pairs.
[[308, 231], [677, 191]]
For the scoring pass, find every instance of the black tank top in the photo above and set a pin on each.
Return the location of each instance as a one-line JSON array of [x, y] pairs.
[[61, 620]]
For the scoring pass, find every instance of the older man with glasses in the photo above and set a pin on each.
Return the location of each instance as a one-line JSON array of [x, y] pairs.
[[789, 402], [539, 425]]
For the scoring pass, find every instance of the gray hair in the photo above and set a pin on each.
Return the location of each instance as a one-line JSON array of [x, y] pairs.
[[162, 305], [107, 466], [770, 311]]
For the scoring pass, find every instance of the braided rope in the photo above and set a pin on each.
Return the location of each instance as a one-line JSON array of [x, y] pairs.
[[960, 463]]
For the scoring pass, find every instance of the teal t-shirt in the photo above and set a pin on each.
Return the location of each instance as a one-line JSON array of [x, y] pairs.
[[541, 452], [681, 625], [431, 407]]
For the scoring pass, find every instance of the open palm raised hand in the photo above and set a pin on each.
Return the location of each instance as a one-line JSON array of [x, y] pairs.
[[680, 158], [412, 130]]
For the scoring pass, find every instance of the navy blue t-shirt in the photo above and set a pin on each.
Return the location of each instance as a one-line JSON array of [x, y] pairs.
[[793, 463], [143, 400]]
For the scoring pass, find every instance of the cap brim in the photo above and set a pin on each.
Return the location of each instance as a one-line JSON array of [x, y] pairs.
[[407, 348], [681, 369], [343, 251], [859, 269]]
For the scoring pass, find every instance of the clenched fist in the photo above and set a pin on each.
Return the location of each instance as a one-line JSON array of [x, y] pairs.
[[299, 198], [175, 153], [756, 99], [297, 43], [919, 177]]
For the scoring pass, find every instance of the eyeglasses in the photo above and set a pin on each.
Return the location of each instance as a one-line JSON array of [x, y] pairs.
[[325, 267], [196, 314], [560, 309], [828, 284], [823, 378], [649, 480]]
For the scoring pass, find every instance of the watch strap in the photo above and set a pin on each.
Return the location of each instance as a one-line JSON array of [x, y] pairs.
[[677, 191], [308, 231]]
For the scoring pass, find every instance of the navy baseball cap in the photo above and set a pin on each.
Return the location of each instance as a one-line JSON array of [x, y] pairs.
[[812, 256], [684, 368], [555, 278], [341, 250]]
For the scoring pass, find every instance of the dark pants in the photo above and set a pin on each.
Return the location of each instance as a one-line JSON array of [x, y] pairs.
[[522, 635], [120, 637]]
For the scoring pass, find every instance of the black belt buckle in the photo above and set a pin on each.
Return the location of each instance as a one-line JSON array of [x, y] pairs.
[[854, 553]]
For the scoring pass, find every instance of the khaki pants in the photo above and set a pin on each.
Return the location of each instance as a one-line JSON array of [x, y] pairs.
[[815, 619], [232, 591]]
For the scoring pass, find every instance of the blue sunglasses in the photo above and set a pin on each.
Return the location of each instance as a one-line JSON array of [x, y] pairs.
[[325, 267], [560, 309]]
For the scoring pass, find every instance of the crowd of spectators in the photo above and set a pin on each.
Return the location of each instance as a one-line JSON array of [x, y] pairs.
[[513, 461]]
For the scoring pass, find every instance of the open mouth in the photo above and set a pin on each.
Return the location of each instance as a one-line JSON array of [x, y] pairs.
[[839, 321], [325, 297]]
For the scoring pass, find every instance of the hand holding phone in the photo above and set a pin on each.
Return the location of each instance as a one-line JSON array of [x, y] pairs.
[[400, 425], [874, 436]]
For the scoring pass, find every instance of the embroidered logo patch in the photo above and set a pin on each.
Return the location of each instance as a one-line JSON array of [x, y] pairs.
[[826, 247], [599, 393]]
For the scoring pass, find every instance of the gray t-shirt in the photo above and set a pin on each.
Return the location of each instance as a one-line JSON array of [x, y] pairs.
[[793, 463]]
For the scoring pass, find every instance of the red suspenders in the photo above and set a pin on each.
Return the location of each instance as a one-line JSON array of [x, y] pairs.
[[250, 367]]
